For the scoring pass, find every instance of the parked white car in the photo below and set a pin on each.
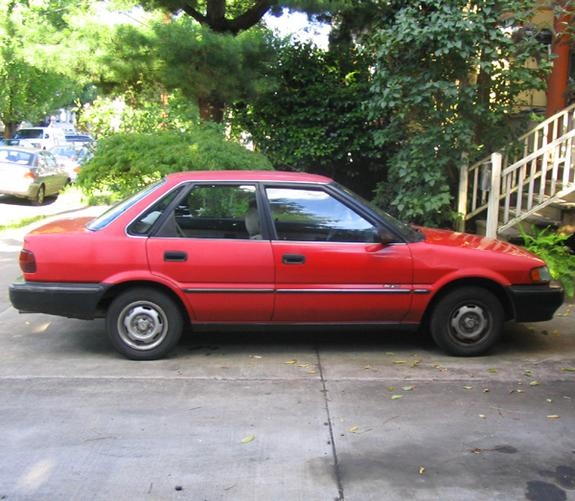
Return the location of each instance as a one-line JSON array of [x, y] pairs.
[[30, 173], [42, 138]]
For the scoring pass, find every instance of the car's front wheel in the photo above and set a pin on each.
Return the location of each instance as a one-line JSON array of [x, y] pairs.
[[144, 324], [467, 321]]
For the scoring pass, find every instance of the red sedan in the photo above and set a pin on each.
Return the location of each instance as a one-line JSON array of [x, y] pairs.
[[274, 248]]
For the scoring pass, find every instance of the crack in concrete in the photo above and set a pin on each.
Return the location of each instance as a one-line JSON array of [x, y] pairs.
[[330, 425]]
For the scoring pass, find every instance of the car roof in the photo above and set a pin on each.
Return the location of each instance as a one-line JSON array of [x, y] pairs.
[[249, 175], [26, 149]]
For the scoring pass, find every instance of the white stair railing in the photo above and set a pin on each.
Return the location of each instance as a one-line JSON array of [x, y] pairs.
[[532, 175]]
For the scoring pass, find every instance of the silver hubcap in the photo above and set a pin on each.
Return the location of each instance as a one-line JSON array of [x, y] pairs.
[[469, 323], [142, 325]]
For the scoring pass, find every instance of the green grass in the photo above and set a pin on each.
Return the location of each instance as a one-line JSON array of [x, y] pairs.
[[22, 222]]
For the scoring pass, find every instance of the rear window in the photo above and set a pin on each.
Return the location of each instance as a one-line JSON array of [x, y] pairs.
[[117, 210], [16, 157], [29, 134]]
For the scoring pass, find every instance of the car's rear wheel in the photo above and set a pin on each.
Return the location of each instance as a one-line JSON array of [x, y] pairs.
[[144, 324], [40, 196], [467, 321]]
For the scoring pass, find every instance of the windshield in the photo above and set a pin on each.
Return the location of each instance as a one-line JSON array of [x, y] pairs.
[[117, 210], [406, 231], [29, 134]]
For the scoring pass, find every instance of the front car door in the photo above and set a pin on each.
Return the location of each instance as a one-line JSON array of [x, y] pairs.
[[204, 245], [329, 266]]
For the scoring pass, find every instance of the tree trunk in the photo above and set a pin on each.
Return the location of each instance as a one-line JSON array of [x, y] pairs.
[[211, 109], [10, 129]]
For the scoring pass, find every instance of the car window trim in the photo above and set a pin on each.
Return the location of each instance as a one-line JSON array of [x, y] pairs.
[[158, 225]]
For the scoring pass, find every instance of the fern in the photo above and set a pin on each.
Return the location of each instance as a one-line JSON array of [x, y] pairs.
[[551, 247]]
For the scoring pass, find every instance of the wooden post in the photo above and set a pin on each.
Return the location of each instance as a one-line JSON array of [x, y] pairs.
[[493, 203], [462, 195]]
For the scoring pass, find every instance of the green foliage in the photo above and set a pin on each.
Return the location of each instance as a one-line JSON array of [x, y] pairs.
[[448, 76], [126, 162], [32, 82], [550, 246], [146, 112], [314, 118]]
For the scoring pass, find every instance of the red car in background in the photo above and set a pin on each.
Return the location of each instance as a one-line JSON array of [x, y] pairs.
[[274, 248]]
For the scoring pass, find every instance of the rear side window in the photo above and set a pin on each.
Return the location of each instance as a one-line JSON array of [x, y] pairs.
[[143, 225], [217, 212]]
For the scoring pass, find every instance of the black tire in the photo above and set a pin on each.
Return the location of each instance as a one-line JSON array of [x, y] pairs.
[[40, 197], [467, 321], [144, 324]]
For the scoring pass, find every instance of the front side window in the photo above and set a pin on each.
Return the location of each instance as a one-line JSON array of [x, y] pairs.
[[218, 211], [315, 215]]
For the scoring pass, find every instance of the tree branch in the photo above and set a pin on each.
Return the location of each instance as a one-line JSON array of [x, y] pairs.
[[250, 17], [188, 8]]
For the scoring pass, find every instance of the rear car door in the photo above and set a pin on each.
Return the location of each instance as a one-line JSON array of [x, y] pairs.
[[203, 245], [329, 266]]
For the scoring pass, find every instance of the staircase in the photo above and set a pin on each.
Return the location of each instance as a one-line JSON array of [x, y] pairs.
[[511, 187]]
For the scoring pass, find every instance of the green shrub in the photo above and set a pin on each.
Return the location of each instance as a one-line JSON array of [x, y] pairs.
[[124, 163], [550, 246]]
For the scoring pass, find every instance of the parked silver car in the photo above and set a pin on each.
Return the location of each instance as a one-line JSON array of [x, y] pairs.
[[29, 173]]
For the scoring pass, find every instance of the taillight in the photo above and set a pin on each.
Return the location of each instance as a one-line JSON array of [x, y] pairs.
[[31, 174], [27, 261]]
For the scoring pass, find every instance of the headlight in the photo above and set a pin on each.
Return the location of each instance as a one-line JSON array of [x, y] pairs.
[[540, 275]]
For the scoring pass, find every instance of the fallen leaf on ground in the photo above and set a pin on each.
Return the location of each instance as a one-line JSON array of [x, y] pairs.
[[396, 397], [248, 439], [553, 416], [407, 388], [568, 369], [492, 370], [482, 416], [399, 362], [291, 362], [468, 387], [534, 383], [548, 400], [354, 429], [421, 470], [391, 388], [256, 356], [389, 353], [528, 373]]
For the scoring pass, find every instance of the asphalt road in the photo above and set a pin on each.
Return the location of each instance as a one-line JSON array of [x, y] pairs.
[[282, 416]]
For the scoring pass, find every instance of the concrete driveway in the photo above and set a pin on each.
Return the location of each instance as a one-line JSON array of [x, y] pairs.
[[282, 416]]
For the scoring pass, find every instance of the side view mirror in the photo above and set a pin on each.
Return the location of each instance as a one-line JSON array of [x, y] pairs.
[[385, 237]]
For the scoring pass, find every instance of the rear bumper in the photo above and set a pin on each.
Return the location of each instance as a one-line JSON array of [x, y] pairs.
[[535, 303], [63, 299]]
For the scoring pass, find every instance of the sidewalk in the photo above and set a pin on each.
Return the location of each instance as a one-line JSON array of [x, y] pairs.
[[13, 210]]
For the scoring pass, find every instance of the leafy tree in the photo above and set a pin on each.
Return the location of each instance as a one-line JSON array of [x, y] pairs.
[[126, 162], [31, 83], [448, 76], [315, 118]]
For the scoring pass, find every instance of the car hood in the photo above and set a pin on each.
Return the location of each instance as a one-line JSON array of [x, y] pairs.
[[76, 225], [465, 240]]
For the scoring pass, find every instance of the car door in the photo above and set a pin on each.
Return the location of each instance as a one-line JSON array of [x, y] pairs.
[[329, 266], [204, 246]]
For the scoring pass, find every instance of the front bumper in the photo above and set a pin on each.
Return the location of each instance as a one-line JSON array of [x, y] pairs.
[[535, 303], [72, 300]]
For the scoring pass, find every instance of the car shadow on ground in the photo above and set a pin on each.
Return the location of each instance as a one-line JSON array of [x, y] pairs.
[[23, 202], [77, 337]]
